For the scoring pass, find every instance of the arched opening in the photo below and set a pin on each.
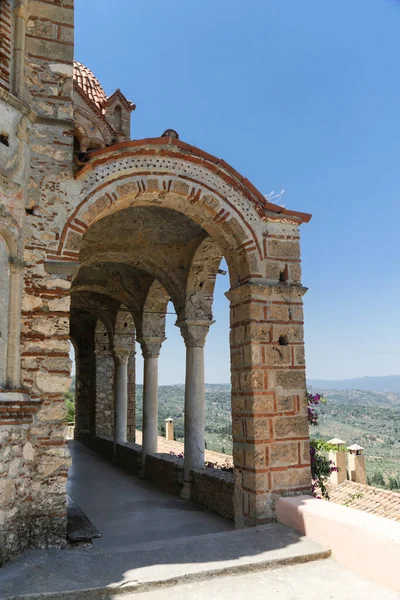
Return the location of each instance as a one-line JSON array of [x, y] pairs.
[[118, 118], [145, 273], [142, 239], [70, 394]]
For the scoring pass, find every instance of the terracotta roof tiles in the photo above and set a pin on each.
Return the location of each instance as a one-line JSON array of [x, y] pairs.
[[90, 86], [375, 501]]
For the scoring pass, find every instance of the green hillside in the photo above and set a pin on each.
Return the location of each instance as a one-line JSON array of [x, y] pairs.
[[371, 419]]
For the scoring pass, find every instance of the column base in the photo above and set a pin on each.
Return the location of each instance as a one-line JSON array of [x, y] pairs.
[[186, 490]]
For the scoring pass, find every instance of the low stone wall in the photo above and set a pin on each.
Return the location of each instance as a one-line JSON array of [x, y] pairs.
[[128, 456], [214, 489], [103, 446], [211, 488], [165, 471]]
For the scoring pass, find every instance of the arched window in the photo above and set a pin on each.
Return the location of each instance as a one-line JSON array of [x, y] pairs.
[[5, 309], [118, 118]]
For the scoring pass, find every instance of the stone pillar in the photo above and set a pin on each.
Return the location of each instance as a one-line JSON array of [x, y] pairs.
[[357, 472], [194, 333], [169, 430], [121, 358], [338, 460], [269, 406], [151, 350]]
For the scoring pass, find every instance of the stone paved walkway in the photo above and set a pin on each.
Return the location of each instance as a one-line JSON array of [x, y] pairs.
[[320, 580], [127, 510]]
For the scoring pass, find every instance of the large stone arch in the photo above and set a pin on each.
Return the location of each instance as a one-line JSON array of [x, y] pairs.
[[171, 174]]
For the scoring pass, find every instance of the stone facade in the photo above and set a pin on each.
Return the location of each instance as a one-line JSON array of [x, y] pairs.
[[97, 234]]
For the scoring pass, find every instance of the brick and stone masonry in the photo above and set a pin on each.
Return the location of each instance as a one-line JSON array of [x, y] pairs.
[[97, 234]]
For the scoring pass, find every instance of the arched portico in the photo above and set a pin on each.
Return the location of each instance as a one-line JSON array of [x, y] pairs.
[[150, 221]]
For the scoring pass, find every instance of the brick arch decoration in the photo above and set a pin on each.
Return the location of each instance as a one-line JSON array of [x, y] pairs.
[[166, 172]]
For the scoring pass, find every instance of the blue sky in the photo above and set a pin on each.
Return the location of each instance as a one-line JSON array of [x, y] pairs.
[[301, 95]]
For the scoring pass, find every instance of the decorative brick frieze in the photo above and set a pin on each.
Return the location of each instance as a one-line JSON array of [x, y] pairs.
[[6, 44]]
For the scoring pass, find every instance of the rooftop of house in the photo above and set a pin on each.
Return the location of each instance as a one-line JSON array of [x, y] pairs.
[[382, 503]]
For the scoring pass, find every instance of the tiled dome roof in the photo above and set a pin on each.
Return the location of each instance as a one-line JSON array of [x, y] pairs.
[[90, 85]]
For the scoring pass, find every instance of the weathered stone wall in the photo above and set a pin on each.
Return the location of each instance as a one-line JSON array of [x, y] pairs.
[[17, 455], [34, 481], [104, 394]]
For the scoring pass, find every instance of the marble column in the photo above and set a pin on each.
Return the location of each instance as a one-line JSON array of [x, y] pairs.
[[121, 358], [194, 333], [151, 350]]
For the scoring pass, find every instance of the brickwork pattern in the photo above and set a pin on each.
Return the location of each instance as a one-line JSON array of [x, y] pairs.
[[6, 44], [269, 408]]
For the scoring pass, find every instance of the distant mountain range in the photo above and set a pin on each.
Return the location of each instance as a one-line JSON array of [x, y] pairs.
[[390, 383]]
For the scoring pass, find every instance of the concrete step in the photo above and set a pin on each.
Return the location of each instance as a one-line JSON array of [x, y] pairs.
[[90, 574]]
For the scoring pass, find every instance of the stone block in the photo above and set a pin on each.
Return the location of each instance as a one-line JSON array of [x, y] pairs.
[[52, 383], [295, 273], [291, 478], [283, 454], [283, 249], [252, 355], [258, 332], [251, 380], [256, 456], [294, 333], [277, 355], [305, 453], [52, 412], [53, 12], [290, 427], [299, 355], [291, 379], [7, 491], [261, 403], [258, 428], [277, 312], [257, 482], [285, 403], [273, 269]]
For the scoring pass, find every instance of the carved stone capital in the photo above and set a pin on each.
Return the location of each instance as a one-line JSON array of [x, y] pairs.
[[194, 333], [121, 356], [151, 346]]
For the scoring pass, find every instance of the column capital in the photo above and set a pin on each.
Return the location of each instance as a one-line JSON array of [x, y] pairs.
[[121, 356], [151, 346], [194, 333]]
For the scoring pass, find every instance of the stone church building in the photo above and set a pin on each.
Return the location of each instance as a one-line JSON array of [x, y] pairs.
[[98, 233]]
